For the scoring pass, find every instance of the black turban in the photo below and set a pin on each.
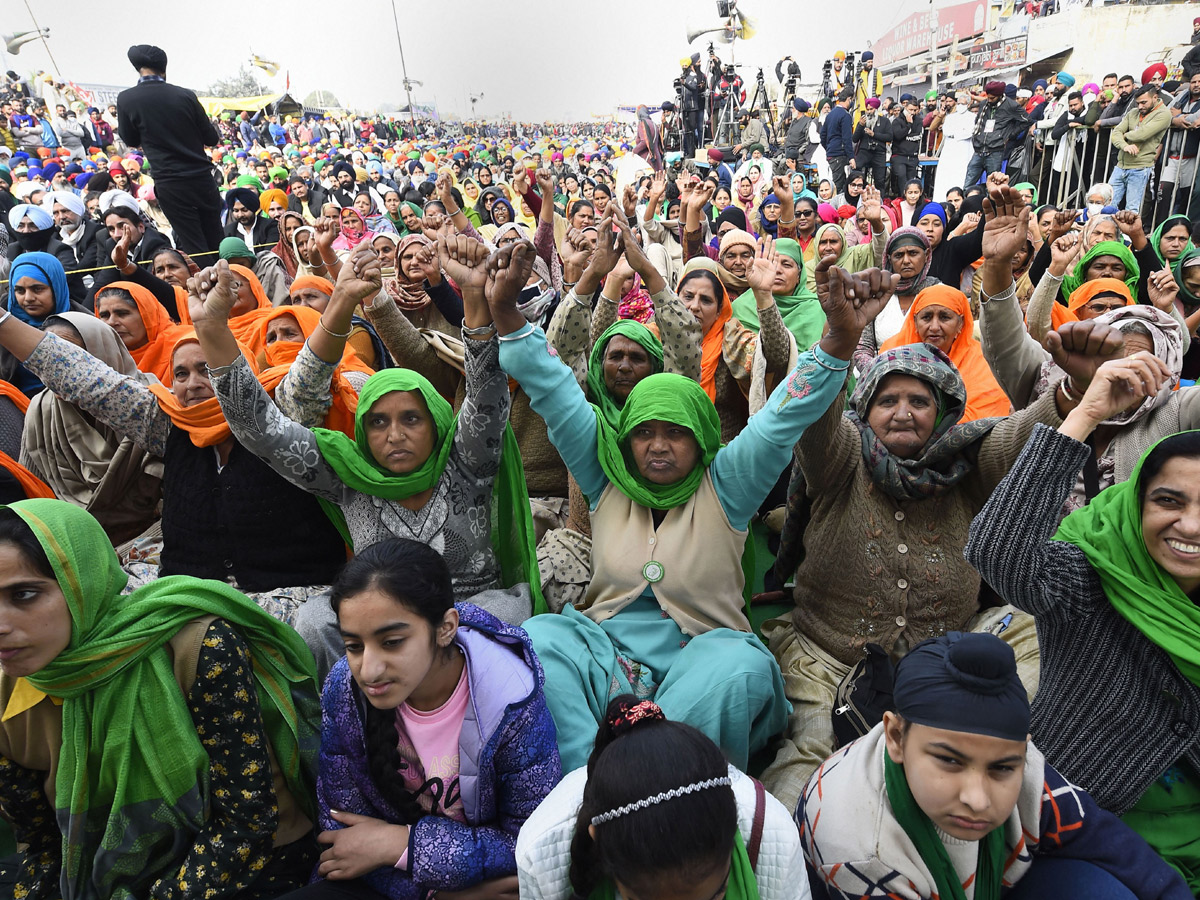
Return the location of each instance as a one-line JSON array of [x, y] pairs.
[[963, 682], [248, 198], [733, 215], [147, 56]]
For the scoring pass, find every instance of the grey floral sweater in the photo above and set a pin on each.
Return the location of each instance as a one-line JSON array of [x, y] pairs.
[[456, 521]]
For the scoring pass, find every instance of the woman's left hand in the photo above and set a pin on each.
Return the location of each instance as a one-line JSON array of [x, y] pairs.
[[361, 275], [1120, 384], [365, 844], [428, 265], [1163, 290], [507, 274], [1007, 225], [871, 206]]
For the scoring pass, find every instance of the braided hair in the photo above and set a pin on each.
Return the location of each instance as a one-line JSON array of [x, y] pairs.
[[416, 577], [684, 839]]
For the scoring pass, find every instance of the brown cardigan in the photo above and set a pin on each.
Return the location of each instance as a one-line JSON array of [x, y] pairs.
[[900, 572]]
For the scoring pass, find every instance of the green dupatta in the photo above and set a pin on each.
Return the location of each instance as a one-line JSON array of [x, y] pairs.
[[668, 398], [1109, 532], [132, 784], [512, 521], [920, 830], [604, 402], [801, 311], [1163, 228], [1105, 248]]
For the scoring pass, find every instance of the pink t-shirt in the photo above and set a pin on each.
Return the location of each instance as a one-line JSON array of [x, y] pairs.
[[429, 754]]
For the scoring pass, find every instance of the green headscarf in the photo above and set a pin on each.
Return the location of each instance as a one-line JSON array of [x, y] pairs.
[[801, 311], [399, 220], [1109, 532], [604, 402], [844, 255], [989, 871], [1105, 248], [668, 398], [1156, 237], [1188, 259], [132, 783], [512, 522], [1028, 186], [742, 883]]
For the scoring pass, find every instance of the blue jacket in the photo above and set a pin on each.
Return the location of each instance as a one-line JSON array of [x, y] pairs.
[[837, 135], [508, 763]]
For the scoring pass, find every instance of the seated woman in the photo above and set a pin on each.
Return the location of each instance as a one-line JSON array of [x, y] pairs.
[[661, 225], [658, 811], [940, 316], [413, 469], [948, 794], [141, 323], [1186, 273], [663, 616], [796, 302], [37, 289], [895, 481], [215, 491], [831, 241], [156, 744], [314, 292], [1105, 259], [907, 254], [421, 292], [1121, 578], [436, 742], [82, 459]]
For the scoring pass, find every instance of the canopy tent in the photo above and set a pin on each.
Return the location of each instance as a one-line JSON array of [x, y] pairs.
[[281, 104]]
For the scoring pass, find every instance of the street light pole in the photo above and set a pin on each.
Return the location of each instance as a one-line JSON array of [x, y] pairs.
[[404, 70]]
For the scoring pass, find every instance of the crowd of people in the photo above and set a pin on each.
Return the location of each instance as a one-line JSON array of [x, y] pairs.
[[545, 512]]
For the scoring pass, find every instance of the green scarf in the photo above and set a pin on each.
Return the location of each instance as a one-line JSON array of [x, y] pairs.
[[801, 312], [132, 784], [668, 398], [401, 228], [1189, 256], [512, 521], [1105, 248], [742, 884], [1156, 237], [1109, 532], [844, 253], [990, 869], [604, 402]]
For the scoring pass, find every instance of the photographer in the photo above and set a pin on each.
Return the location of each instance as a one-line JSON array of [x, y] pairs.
[[754, 132], [669, 129], [694, 86], [873, 134], [907, 129]]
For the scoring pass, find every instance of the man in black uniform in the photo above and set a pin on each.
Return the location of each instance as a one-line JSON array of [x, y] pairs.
[[171, 127]]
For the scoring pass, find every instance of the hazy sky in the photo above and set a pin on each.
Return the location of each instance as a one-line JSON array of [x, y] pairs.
[[548, 60]]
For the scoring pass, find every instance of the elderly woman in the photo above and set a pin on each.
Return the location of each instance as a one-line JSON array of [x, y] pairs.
[[663, 615], [830, 240], [893, 482], [907, 254], [1114, 591]]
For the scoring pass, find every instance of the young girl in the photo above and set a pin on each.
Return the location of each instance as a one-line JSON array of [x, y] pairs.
[[156, 744], [436, 742], [947, 797], [658, 812]]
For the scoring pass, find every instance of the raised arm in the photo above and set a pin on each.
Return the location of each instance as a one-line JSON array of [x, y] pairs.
[[678, 329], [1010, 541], [745, 470]]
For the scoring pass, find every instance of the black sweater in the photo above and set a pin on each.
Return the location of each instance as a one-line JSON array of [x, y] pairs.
[[170, 125]]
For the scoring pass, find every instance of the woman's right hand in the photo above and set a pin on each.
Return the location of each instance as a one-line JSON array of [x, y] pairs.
[[1007, 225], [325, 231], [1118, 385], [211, 296], [609, 248], [120, 251], [508, 272], [1063, 253], [850, 303], [1063, 222]]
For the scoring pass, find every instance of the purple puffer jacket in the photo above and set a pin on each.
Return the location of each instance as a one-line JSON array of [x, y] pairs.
[[508, 762]]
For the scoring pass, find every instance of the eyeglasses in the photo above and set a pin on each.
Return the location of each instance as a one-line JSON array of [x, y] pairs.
[[805, 212]]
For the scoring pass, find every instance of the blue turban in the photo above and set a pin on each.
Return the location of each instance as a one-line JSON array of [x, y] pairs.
[[935, 209], [43, 268], [867, 55], [38, 216], [963, 682], [801, 105], [1066, 80], [1040, 83]]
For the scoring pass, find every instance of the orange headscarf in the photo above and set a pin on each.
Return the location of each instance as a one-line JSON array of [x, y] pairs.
[[713, 343], [245, 327], [281, 354], [324, 285], [985, 397], [30, 483], [181, 305], [1086, 292], [204, 421], [153, 357]]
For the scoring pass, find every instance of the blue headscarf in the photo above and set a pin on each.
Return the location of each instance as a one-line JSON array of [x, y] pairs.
[[771, 228], [43, 268], [933, 209]]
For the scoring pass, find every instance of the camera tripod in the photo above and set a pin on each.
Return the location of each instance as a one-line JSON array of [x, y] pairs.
[[762, 102]]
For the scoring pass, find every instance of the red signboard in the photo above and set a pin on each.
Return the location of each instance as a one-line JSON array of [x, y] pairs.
[[913, 35]]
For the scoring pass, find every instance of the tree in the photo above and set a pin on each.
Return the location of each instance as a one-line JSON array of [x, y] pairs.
[[322, 100], [244, 84]]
